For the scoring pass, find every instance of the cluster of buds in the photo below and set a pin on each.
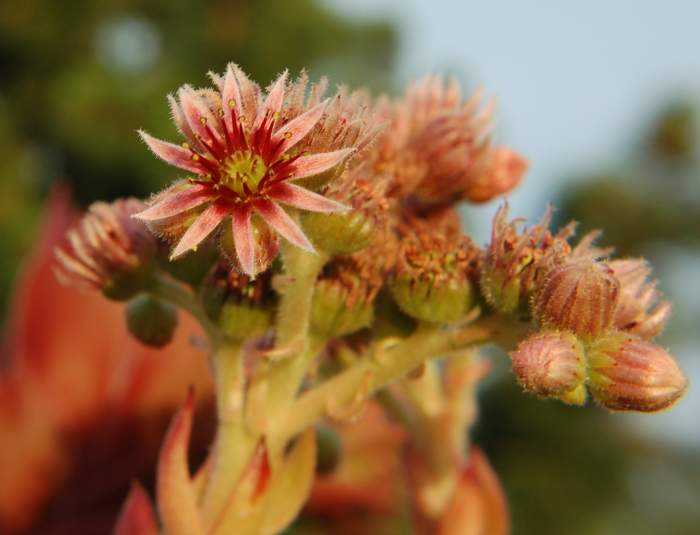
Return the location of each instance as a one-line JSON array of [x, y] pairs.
[[595, 319], [333, 223]]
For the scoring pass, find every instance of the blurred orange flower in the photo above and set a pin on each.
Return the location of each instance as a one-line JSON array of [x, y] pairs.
[[83, 406]]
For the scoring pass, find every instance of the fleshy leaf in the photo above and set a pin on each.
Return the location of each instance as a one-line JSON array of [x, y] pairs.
[[177, 500], [279, 220], [303, 198], [243, 514], [137, 516], [200, 229], [171, 153], [291, 485]]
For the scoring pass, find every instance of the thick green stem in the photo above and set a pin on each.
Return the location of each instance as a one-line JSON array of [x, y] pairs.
[[174, 292], [371, 374], [301, 270], [234, 443]]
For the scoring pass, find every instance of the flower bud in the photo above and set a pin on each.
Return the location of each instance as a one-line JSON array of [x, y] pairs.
[[515, 261], [627, 372], [150, 320], [343, 299], [639, 310], [108, 251], [580, 295], [246, 310], [432, 277], [552, 364], [339, 233], [500, 172], [265, 244]]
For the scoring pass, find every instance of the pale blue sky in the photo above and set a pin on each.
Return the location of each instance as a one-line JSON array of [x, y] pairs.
[[572, 80]]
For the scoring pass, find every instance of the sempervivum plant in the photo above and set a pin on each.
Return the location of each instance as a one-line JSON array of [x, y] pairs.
[[329, 271]]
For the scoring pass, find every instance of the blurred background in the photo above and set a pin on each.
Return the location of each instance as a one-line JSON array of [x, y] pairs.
[[602, 97]]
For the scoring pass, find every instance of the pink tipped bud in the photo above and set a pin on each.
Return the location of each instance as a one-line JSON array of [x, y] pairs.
[[551, 364], [580, 295], [627, 372]]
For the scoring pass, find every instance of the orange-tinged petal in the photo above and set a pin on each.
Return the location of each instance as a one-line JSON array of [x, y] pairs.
[[177, 500], [137, 516]]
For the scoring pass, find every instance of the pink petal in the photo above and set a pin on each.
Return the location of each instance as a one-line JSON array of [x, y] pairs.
[[230, 94], [177, 503], [198, 114], [171, 153], [243, 239], [295, 130], [200, 229], [250, 93], [274, 101], [318, 163], [179, 118], [137, 516], [279, 220], [303, 198], [176, 202]]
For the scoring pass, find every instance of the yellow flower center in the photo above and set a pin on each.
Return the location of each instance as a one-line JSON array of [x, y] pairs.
[[242, 172]]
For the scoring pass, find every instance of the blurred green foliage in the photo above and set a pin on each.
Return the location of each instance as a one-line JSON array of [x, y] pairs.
[[79, 77]]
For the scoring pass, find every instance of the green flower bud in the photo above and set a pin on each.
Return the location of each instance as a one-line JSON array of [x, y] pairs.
[[150, 320], [432, 279], [342, 301], [339, 233]]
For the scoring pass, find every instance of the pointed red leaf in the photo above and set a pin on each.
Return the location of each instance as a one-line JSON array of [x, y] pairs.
[[177, 500], [200, 229], [172, 154], [303, 198], [137, 516], [279, 220]]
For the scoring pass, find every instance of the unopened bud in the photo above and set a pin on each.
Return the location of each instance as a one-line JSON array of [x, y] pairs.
[[339, 233], [552, 364], [627, 372], [246, 305], [150, 320], [343, 301], [579, 295], [433, 277], [109, 251]]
